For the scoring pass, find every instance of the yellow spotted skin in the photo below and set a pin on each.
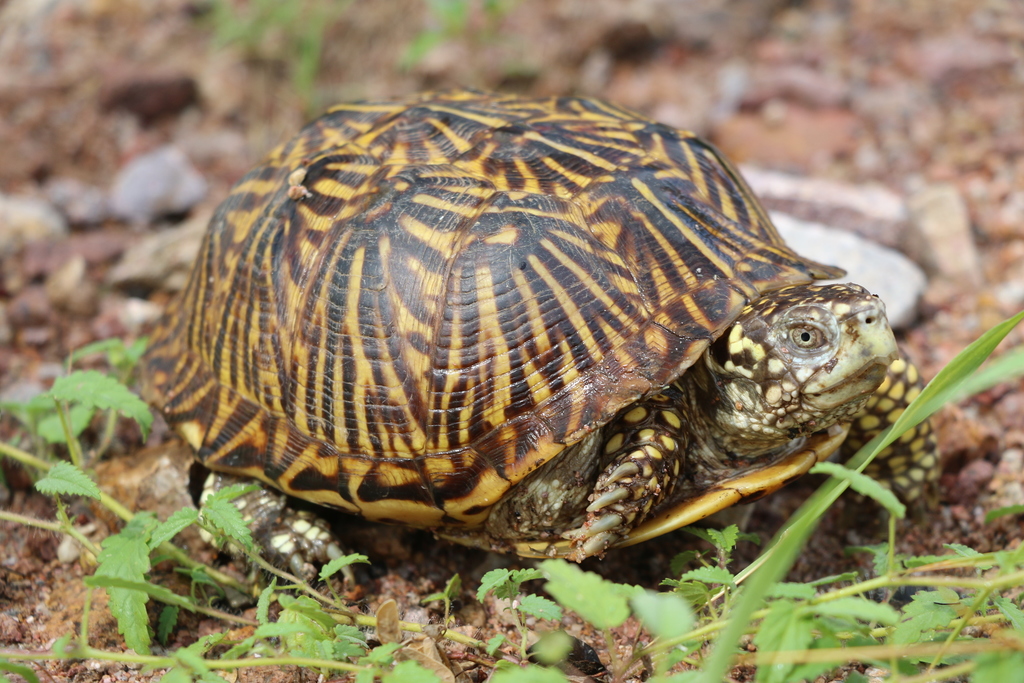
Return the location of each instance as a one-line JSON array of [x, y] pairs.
[[411, 306], [910, 466]]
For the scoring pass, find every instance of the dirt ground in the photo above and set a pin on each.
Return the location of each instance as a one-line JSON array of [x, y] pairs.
[[910, 95]]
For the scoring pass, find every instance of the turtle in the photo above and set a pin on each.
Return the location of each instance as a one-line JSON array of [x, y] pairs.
[[544, 326]]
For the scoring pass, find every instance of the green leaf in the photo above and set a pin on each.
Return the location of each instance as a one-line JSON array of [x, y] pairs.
[[382, 655], [681, 560], [798, 591], [491, 580], [710, 575], [410, 672], [66, 479], [835, 578], [51, 429], [1011, 612], [305, 609], [349, 641], [494, 643], [166, 623], [278, 629], [598, 601], [552, 647], [25, 672], [725, 539], [338, 563], [126, 556], [1004, 666], [666, 615], [928, 610], [785, 627], [531, 673], [993, 515], [221, 514], [962, 550], [864, 485], [858, 608], [177, 675], [263, 603], [175, 523], [542, 608], [94, 389]]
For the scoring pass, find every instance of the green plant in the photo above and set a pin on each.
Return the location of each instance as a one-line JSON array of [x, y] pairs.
[[291, 33], [799, 630], [453, 20]]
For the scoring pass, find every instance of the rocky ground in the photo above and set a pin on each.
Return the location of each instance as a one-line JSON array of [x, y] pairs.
[[122, 124]]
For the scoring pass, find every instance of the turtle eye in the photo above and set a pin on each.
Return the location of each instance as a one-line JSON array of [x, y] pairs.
[[806, 337]]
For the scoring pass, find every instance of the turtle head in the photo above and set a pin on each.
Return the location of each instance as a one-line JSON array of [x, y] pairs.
[[799, 360]]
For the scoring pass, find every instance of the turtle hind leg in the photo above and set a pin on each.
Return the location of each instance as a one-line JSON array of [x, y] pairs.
[[643, 450], [293, 539], [910, 465]]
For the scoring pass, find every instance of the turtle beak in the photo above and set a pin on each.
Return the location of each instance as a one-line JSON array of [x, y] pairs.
[[863, 356]]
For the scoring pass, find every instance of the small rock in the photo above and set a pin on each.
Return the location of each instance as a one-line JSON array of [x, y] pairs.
[[798, 83], [83, 204], [939, 235], [149, 94], [156, 184], [24, 219], [96, 247], [797, 138], [872, 211], [885, 272], [30, 307], [69, 289], [68, 550], [138, 313], [972, 480], [163, 260]]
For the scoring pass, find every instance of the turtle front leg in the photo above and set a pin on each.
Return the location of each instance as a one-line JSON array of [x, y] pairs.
[[910, 465], [644, 451]]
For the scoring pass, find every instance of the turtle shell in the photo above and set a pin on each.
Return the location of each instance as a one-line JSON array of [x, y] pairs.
[[412, 305]]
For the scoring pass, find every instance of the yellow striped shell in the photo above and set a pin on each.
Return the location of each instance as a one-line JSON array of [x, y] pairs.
[[410, 306]]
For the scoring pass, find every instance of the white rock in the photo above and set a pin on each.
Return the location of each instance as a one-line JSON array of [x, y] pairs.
[[940, 237], [156, 184], [24, 219], [162, 260], [883, 271], [82, 203]]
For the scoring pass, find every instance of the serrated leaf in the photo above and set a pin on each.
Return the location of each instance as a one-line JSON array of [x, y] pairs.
[[93, 388], [491, 580], [681, 560], [51, 429], [382, 655], [530, 673], [339, 563], [174, 524], [962, 550], [858, 608], [494, 643], [225, 517], [66, 479], [409, 672], [710, 575], [596, 600], [864, 485], [666, 615], [263, 603], [1011, 612], [305, 607], [521, 576], [126, 556], [726, 538], [540, 607], [166, 622]]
